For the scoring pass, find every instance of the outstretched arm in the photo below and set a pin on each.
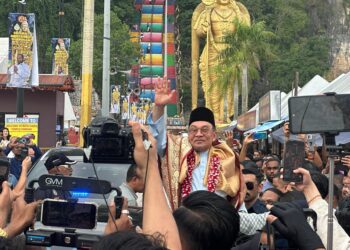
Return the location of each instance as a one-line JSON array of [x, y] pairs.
[[157, 121], [157, 215], [247, 140]]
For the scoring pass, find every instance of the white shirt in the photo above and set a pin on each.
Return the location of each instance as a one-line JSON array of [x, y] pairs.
[[21, 77], [127, 192]]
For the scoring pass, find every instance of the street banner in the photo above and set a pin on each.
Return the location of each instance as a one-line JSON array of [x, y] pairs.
[[22, 126], [60, 50], [115, 99], [22, 55]]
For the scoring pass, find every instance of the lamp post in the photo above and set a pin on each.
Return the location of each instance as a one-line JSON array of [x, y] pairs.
[[87, 62], [106, 58]]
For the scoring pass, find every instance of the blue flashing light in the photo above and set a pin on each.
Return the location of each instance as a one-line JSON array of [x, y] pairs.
[[79, 194]]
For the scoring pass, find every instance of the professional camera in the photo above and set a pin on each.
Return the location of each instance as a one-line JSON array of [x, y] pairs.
[[110, 143]]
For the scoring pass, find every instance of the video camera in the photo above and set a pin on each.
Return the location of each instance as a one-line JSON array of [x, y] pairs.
[[110, 142], [68, 214]]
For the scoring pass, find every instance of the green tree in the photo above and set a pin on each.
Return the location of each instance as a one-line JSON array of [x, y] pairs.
[[123, 52], [301, 42], [47, 24], [241, 58]]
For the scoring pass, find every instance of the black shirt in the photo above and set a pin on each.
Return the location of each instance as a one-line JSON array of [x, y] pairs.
[[257, 208]]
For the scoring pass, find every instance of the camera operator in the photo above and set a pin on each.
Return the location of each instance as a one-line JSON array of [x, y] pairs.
[[56, 164], [134, 184], [20, 151]]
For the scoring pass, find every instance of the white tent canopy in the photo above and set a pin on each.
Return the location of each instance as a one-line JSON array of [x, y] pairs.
[[341, 85], [68, 110], [284, 103], [313, 87]]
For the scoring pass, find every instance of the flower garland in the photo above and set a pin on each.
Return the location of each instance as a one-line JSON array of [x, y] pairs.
[[213, 175]]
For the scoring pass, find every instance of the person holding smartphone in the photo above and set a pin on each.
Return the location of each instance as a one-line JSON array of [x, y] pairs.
[[20, 152], [341, 240]]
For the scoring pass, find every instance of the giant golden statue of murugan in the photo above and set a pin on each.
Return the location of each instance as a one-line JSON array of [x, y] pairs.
[[213, 19]]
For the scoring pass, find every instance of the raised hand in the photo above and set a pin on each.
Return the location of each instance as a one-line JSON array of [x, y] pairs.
[[5, 203], [27, 163], [140, 153], [229, 138], [162, 95], [346, 161], [121, 224], [22, 216], [286, 131], [248, 139]]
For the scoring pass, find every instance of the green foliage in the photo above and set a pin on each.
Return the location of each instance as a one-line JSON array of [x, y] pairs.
[[47, 24], [309, 58], [183, 21], [300, 27], [301, 41], [246, 45], [47, 27], [123, 52]]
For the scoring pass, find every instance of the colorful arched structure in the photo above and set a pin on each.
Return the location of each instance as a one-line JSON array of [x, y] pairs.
[[150, 32]]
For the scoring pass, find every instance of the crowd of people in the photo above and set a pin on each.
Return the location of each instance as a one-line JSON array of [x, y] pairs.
[[202, 192]]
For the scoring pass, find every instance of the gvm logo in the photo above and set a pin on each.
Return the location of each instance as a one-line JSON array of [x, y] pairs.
[[54, 181]]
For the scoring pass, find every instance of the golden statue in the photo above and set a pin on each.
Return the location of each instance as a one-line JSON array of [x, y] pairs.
[[212, 20]]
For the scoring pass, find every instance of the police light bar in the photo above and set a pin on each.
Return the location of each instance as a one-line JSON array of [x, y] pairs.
[[74, 184]]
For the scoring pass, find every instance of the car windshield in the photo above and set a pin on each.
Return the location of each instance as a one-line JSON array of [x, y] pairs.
[[112, 172]]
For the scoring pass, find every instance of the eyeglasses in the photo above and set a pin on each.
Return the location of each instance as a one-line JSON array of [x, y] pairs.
[[250, 185], [194, 130]]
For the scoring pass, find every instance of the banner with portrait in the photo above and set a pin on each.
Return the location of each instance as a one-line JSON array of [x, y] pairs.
[[60, 50], [22, 57], [115, 99]]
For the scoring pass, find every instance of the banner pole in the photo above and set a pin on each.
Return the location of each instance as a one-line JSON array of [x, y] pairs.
[[19, 102]]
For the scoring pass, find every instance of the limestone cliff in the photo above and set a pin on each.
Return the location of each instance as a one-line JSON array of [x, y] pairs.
[[339, 31]]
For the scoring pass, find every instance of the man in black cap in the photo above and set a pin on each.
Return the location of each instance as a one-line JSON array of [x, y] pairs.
[[56, 164], [253, 180], [196, 162]]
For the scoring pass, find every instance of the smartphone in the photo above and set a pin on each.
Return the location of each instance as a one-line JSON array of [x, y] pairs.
[[68, 214], [293, 158], [118, 201], [319, 114], [311, 142], [344, 153], [309, 213], [260, 136], [4, 170]]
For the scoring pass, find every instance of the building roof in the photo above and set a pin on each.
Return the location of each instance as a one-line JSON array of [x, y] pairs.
[[46, 82]]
